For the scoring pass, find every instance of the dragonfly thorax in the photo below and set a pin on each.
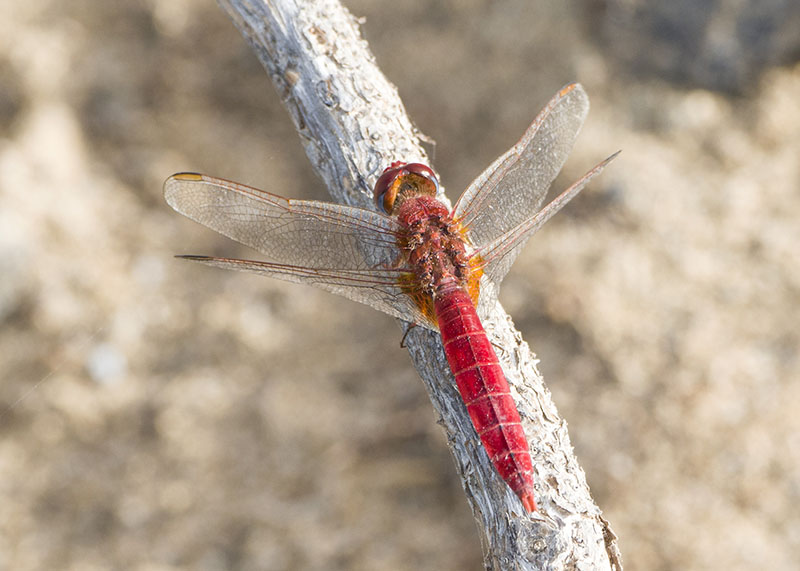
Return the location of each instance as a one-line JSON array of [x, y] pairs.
[[435, 247]]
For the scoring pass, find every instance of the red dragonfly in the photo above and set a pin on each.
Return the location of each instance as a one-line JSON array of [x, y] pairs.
[[416, 260]]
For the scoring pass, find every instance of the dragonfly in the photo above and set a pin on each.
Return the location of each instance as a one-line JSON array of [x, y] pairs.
[[416, 259]]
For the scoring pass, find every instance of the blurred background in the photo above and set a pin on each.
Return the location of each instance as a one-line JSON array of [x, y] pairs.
[[158, 415]]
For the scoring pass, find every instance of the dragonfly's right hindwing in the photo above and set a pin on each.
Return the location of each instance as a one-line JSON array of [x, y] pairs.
[[498, 256]]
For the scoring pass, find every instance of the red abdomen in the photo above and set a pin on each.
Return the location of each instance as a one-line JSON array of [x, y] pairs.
[[485, 391]]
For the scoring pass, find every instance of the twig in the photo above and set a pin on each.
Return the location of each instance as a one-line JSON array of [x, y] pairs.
[[352, 124]]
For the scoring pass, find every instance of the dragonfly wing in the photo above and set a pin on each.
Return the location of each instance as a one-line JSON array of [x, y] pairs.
[[339, 248], [376, 288], [293, 232], [513, 188], [498, 256]]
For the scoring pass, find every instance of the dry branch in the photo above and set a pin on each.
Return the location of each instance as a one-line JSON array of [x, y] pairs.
[[352, 124]]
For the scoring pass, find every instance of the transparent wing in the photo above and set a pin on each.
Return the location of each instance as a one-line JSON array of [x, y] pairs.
[[513, 188], [338, 248], [376, 288], [498, 256]]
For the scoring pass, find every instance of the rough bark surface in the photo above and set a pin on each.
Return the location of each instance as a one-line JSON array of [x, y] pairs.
[[352, 124]]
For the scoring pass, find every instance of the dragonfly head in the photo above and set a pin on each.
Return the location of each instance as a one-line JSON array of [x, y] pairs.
[[401, 181]]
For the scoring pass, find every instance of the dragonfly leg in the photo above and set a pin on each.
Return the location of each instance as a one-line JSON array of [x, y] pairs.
[[408, 330]]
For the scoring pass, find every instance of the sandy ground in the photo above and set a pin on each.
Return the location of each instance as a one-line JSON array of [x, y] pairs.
[[156, 415]]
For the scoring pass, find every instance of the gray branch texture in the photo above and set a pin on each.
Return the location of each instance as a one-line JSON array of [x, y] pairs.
[[352, 124]]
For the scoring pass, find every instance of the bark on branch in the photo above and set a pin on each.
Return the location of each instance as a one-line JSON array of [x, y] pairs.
[[353, 124]]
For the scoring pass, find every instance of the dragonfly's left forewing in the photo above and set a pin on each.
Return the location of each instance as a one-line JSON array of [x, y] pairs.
[[345, 250], [292, 232]]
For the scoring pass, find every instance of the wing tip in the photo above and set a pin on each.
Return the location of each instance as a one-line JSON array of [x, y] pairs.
[[570, 87], [575, 91], [173, 183], [610, 158], [193, 176]]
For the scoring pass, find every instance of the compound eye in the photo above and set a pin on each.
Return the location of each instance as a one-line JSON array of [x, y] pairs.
[[385, 191], [414, 177], [424, 171]]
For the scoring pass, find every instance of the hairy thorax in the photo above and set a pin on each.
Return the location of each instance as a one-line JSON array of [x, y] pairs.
[[434, 244]]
